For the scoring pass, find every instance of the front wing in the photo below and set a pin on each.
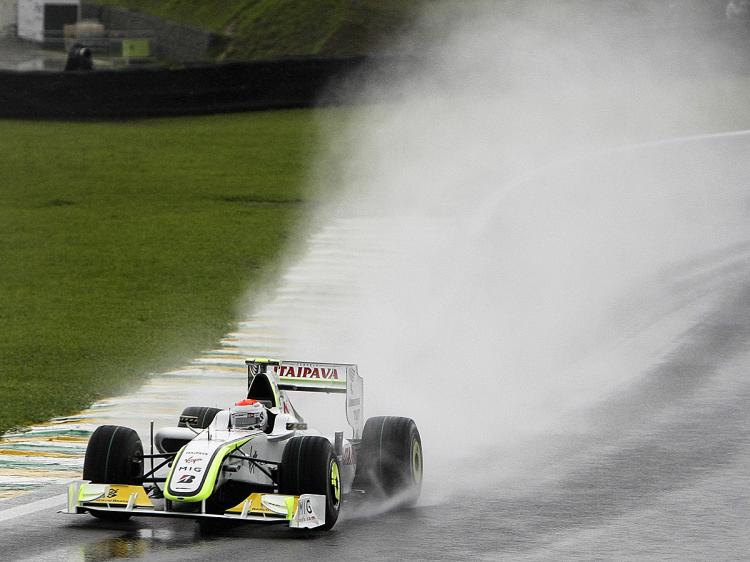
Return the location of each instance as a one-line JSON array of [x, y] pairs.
[[306, 511]]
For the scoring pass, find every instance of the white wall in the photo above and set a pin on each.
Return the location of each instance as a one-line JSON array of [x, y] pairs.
[[8, 16], [31, 17]]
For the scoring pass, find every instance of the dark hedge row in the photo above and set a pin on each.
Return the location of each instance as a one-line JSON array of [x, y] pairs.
[[161, 92]]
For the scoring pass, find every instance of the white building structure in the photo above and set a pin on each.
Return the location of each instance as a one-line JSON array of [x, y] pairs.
[[8, 17], [39, 20]]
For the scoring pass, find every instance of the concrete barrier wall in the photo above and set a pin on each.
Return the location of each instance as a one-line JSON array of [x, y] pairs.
[[151, 91]]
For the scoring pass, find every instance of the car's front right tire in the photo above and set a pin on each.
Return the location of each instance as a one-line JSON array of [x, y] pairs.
[[114, 455]]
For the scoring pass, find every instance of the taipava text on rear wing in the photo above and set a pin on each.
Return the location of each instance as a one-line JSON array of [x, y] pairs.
[[316, 377]]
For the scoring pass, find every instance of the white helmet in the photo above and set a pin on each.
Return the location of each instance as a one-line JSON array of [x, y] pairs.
[[248, 414]]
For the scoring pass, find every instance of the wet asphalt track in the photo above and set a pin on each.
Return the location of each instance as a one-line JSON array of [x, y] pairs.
[[663, 474]]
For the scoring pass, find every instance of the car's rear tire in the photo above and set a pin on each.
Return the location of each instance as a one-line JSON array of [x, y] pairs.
[[114, 455], [308, 466], [390, 461], [204, 414]]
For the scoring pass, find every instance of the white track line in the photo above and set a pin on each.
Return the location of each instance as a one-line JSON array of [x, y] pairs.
[[33, 507], [491, 204]]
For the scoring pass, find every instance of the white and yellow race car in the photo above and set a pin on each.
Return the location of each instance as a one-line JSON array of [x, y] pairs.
[[256, 461]]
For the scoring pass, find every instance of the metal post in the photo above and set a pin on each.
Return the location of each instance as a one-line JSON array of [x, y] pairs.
[[152, 449], [338, 444]]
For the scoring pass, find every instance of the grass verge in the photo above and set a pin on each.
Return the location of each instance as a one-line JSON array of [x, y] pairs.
[[257, 29], [124, 246]]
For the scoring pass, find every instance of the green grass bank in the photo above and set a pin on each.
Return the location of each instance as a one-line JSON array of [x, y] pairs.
[[125, 246], [257, 29]]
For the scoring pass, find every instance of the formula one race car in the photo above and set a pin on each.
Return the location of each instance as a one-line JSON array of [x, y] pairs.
[[256, 461]]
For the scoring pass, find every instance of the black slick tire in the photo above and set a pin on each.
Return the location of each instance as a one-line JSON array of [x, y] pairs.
[[202, 417], [203, 414], [308, 466], [390, 461], [114, 455]]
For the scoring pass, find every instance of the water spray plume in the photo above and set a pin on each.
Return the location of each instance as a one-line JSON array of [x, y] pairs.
[[512, 234]]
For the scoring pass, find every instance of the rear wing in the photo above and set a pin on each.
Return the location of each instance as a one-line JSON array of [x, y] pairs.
[[316, 377]]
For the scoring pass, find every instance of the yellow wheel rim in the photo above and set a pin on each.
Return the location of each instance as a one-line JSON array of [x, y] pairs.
[[335, 481], [416, 461]]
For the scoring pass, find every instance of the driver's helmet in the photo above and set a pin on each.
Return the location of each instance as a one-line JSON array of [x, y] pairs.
[[248, 414]]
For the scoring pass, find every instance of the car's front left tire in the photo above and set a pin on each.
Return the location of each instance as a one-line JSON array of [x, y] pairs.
[[309, 466]]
